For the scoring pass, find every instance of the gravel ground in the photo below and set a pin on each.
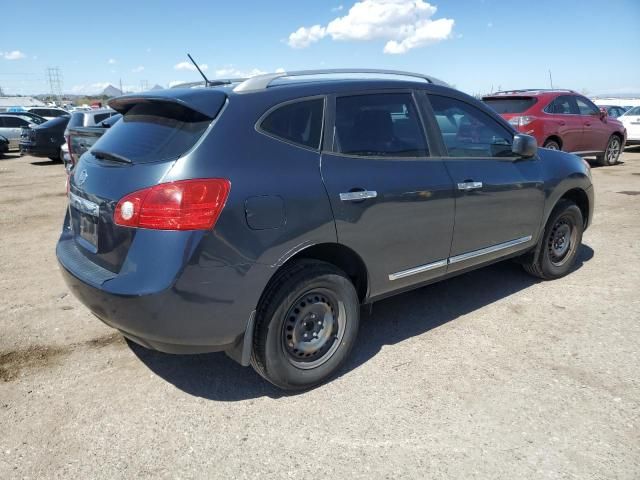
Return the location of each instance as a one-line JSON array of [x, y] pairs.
[[488, 375]]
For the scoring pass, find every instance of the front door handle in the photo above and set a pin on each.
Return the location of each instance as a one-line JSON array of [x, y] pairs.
[[357, 195], [466, 186]]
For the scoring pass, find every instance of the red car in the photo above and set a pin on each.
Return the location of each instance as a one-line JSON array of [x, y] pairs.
[[562, 120]]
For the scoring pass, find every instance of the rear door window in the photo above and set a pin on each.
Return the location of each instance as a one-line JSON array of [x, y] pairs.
[[511, 104], [379, 125], [154, 132], [297, 122], [100, 117]]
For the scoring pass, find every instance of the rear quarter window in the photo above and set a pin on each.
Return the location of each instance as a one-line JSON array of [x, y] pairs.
[[154, 132], [297, 122]]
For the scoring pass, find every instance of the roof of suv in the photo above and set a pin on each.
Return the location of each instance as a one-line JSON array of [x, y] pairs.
[[531, 92]]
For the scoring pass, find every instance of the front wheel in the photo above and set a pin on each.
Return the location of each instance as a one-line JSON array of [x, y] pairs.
[[612, 153], [562, 237], [306, 324]]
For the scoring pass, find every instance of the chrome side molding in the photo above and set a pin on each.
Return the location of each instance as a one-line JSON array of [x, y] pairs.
[[416, 270], [488, 250], [459, 258]]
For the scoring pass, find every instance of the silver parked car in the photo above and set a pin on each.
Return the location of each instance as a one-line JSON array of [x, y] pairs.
[[11, 127]]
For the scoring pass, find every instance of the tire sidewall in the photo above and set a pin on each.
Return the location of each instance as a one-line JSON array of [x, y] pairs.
[[557, 145], [569, 210], [277, 365]]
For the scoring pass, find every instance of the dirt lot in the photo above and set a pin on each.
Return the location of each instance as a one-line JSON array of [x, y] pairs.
[[488, 375]]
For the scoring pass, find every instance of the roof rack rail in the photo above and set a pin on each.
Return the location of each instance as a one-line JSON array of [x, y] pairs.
[[261, 82], [522, 90]]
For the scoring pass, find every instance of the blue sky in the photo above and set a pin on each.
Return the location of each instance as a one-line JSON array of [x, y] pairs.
[[475, 45]]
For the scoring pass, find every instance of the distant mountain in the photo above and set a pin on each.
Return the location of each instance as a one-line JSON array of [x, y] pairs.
[[111, 91], [157, 87]]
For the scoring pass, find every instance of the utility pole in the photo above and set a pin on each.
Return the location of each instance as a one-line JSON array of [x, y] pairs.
[[55, 82], [144, 85], [550, 80], [121, 91]]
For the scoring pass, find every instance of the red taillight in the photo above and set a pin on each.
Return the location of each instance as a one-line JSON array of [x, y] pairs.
[[182, 205], [73, 160]]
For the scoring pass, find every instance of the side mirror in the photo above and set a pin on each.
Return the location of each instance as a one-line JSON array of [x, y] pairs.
[[603, 113], [524, 146]]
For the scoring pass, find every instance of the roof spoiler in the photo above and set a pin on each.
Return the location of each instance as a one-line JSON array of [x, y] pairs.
[[207, 102]]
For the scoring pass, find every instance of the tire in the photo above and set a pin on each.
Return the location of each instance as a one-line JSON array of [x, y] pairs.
[[551, 145], [611, 155], [306, 325], [556, 253]]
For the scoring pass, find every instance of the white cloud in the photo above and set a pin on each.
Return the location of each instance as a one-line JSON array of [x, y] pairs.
[[111, 61], [337, 9], [190, 66], [303, 37], [232, 72], [14, 55], [280, 70], [138, 69], [405, 24], [490, 24]]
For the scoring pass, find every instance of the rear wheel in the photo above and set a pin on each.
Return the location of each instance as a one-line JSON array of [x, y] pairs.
[[562, 238], [612, 153], [551, 145], [306, 325], [58, 158]]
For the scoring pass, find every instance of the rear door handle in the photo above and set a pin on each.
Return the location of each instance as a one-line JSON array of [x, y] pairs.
[[358, 195], [466, 186]]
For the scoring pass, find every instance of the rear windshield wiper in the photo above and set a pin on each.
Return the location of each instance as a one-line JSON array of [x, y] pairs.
[[102, 155]]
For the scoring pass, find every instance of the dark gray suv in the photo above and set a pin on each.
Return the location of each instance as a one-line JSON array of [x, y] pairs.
[[256, 217]]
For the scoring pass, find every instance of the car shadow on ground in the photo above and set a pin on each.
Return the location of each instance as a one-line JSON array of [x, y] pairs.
[[46, 163], [216, 377]]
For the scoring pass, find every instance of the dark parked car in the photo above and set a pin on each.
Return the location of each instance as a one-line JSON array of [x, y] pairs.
[[257, 217], [80, 138], [562, 120], [4, 145], [613, 111], [44, 140]]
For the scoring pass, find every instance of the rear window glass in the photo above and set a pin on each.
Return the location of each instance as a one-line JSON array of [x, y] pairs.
[[100, 117], [633, 111], [77, 120], [299, 122], [511, 104], [153, 132]]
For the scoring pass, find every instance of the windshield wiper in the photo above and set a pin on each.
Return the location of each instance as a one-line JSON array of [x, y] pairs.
[[102, 155]]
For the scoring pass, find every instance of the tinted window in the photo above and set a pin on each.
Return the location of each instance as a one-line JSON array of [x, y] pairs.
[[633, 111], [13, 122], [151, 132], [100, 117], [468, 131], [381, 125], [586, 107], [77, 120], [511, 104], [562, 105], [299, 122]]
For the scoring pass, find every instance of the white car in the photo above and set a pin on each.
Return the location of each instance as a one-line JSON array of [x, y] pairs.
[[631, 121], [48, 112]]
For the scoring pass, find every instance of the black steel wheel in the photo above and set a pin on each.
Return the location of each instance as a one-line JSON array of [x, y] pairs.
[[306, 324], [562, 237]]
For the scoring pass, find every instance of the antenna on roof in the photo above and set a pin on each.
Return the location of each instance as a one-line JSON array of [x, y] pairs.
[[206, 80]]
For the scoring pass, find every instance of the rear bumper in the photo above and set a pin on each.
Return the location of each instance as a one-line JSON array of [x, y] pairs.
[[204, 309], [36, 150]]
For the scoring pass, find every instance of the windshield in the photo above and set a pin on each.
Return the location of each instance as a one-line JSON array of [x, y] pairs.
[[153, 132], [510, 104]]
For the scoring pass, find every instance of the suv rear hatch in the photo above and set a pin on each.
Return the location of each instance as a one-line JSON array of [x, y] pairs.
[[136, 153], [512, 108]]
